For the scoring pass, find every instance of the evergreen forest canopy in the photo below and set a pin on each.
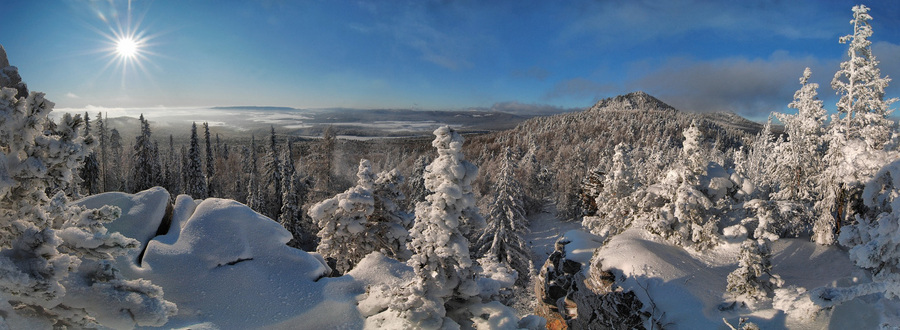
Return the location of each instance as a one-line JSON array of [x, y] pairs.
[[456, 211]]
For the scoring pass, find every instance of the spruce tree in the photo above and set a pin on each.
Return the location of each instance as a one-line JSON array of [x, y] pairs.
[[503, 238], [195, 181], [274, 177], [210, 162], [145, 165], [859, 130], [90, 169]]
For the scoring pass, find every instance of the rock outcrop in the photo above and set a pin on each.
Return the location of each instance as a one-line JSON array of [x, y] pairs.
[[571, 297], [9, 75]]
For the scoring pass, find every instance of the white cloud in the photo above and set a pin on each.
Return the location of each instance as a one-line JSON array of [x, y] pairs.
[[750, 87], [72, 95]]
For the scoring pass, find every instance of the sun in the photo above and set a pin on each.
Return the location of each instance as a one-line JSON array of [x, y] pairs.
[[127, 48]]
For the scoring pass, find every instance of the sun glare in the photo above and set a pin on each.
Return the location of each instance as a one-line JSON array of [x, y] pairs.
[[126, 47]]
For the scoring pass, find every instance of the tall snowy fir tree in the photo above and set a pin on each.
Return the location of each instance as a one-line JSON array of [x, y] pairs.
[[90, 169], [860, 130], [255, 199], [502, 240], [803, 150], [55, 256], [114, 178], [145, 165], [296, 189], [195, 181], [210, 162], [274, 177], [103, 146], [445, 280]]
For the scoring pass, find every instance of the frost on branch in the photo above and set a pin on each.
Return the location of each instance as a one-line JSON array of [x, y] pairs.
[[49, 250]]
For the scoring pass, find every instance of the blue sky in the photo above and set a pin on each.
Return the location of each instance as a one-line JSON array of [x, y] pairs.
[[741, 56]]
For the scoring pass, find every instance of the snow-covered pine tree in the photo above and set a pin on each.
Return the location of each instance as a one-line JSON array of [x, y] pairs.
[[502, 240], [195, 181], [90, 170], [861, 87], [54, 256], [343, 221], [210, 163], [142, 171], [388, 225], [801, 158], [857, 134], [444, 279], [686, 217], [753, 279], [254, 196], [274, 177], [103, 139], [615, 201], [296, 188], [114, 171]]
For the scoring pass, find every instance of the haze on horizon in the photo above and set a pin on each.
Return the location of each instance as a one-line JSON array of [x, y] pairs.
[[696, 55]]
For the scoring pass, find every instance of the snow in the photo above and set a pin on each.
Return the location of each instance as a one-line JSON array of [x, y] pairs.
[[688, 288], [226, 266]]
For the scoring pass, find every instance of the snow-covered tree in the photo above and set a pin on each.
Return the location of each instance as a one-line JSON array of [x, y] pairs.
[[296, 188], [388, 226], [800, 161], [274, 177], [343, 221], [103, 146], [90, 170], [502, 239], [615, 200], [857, 134], [753, 279], [55, 258], [859, 84], [195, 181], [114, 171], [255, 199], [687, 218], [443, 268], [145, 162], [874, 241], [210, 162]]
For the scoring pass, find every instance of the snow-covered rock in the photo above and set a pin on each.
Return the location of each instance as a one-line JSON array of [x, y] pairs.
[[226, 266]]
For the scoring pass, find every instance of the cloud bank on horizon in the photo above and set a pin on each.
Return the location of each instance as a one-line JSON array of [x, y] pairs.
[[744, 57]]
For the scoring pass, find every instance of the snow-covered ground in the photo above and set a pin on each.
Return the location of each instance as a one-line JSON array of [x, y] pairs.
[[545, 228], [226, 266]]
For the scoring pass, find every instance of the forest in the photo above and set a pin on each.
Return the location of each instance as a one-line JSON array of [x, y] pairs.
[[451, 214]]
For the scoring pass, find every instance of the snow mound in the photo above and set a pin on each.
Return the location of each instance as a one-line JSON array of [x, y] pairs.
[[688, 289], [226, 266]]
